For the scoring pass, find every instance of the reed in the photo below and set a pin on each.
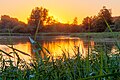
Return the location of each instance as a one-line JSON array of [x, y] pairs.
[[100, 64]]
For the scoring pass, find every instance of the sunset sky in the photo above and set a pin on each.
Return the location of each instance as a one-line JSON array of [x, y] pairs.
[[63, 10]]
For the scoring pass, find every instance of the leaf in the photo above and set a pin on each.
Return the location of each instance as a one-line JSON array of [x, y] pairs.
[[18, 50], [31, 40], [46, 50], [100, 76], [5, 53], [37, 46]]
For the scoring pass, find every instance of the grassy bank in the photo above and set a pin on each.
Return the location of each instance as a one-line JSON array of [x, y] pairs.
[[81, 35], [28, 34], [97, 35], [84, 35]]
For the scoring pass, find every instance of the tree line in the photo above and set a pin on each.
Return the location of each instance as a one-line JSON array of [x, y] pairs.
[[40, 18]]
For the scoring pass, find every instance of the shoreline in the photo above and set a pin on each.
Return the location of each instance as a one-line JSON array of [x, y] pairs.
[[80, 35]]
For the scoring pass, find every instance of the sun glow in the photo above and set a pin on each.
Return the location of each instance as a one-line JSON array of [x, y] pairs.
[[63, 10], [58, 19]]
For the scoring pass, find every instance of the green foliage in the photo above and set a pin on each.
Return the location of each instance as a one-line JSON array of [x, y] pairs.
[[97, 65]]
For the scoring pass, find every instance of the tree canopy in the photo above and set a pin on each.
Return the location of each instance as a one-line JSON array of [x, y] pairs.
[[39, 17], [97, 23], [8, 23]]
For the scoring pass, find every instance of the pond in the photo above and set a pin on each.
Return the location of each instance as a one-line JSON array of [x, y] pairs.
[[57, 45]]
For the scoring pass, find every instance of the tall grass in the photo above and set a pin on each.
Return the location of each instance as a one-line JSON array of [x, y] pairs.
[[100, 64]]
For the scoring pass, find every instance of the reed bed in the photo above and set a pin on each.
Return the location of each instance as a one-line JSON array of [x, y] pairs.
[[100, 64]]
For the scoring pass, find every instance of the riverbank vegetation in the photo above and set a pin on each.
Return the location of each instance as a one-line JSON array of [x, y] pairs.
[[99, 63], [81, 35]]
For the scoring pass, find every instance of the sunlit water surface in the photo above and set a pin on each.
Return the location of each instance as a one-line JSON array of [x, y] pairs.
[[57, 45]]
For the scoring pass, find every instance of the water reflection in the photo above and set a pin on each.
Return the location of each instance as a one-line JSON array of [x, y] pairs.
[[56, 45], [25, 47]]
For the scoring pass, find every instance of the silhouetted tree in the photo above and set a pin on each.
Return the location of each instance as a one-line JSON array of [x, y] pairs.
[[8, 23], [50, 21], [117, 24], [97, 23], [75, 21], [38, 17], [104, 14], [87, 23], [21, 27]]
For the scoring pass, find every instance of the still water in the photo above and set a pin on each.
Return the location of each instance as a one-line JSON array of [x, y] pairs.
[[57, 45]]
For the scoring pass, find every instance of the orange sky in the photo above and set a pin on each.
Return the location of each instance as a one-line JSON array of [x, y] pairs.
[[62, 10]]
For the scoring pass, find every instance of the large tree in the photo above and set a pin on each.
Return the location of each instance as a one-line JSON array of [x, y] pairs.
[[38, 17], [75, 21], [117, 24], [87, 23], [104, 15], [8, 23], [98, 23]]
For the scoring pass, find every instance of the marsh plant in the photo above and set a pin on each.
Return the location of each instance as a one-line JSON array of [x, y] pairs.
[[100, 64]]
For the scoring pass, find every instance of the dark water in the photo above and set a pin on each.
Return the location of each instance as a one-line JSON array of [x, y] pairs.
[[56, 45]]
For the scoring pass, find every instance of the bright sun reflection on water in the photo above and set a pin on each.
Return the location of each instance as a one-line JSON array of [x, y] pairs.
[[25, 47], [56, 46]]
